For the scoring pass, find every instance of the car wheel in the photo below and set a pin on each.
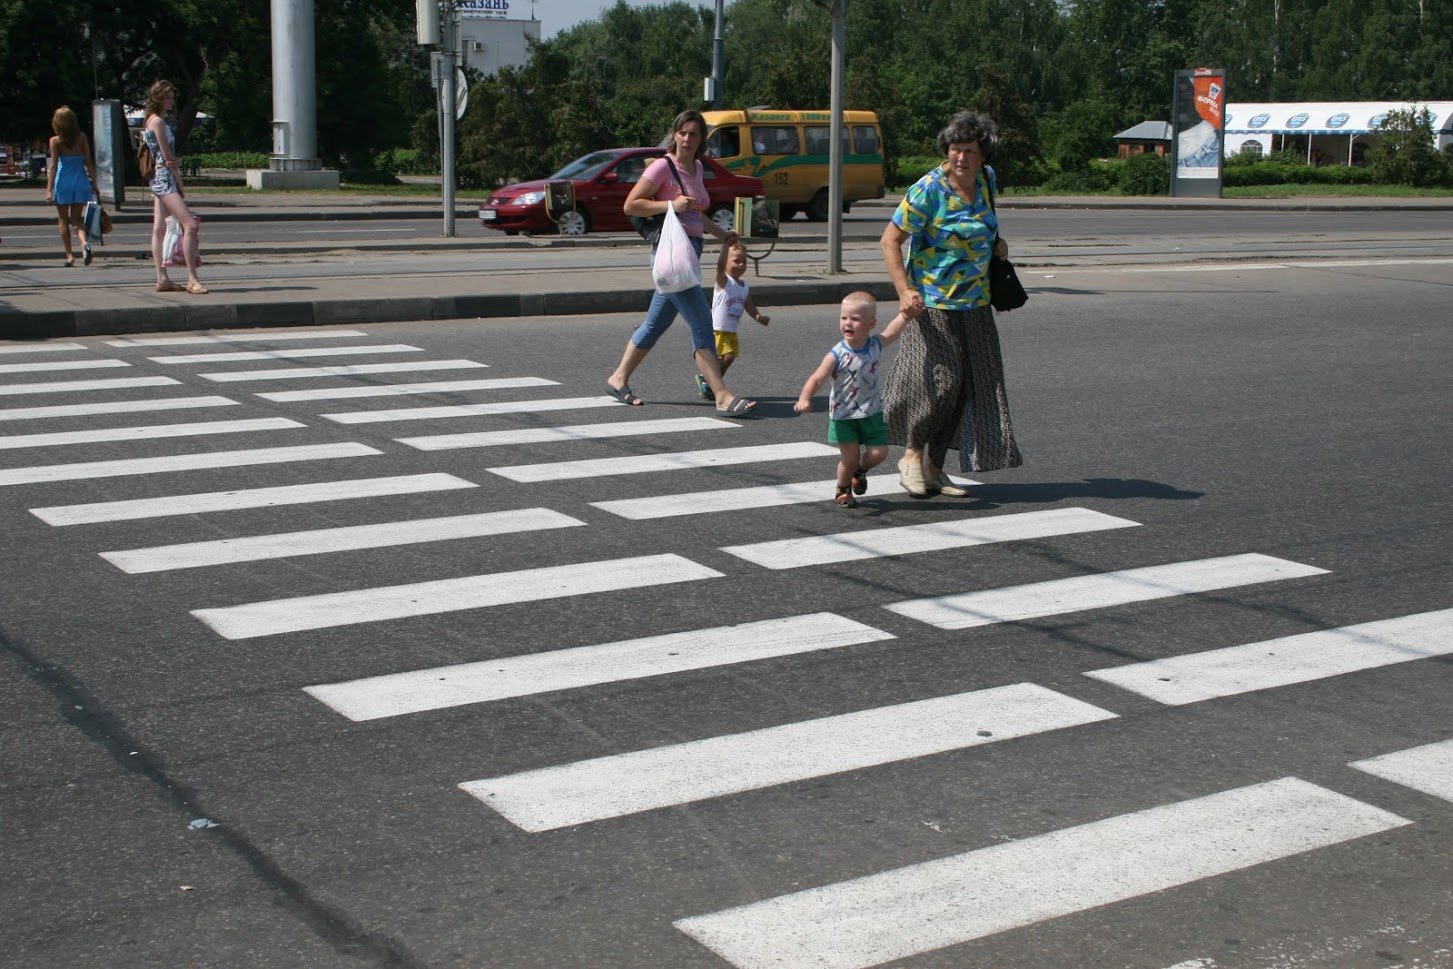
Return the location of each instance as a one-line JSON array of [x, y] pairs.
[[724, 217], [574, 223], [817, 208]]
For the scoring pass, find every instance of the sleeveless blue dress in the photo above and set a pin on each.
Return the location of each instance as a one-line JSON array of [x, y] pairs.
[[72, 184]]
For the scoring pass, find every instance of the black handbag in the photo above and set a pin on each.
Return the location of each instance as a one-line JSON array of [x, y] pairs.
[[649, 226], [1005, 291]]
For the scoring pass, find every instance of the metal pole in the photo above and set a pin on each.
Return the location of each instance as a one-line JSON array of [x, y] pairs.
[[294, 88], [447, 96], [717, 58], [835, 132]]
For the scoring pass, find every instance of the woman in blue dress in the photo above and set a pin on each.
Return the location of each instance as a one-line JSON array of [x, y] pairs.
[[166, 190], [70, 181]]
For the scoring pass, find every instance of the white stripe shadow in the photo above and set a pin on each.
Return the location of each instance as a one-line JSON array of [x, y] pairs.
[[61, 365], [610, 787], [569, 432], [471, 410], [677, 461], [896, 914], [112, 407], [76, 386], [487, 681], [181, 462], [403, 390], [1179, 680], [353, 370], [287, 353], [267, 336], [1079, 593], [1428, 769], [740, 499], [350, 538], [148, 432], [449, 595], [136, 508], [794, 553]]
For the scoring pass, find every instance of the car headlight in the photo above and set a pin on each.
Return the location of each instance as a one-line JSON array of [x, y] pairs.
[[530, 198]]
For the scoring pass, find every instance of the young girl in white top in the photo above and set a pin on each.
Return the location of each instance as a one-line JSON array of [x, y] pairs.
[[730, 298]]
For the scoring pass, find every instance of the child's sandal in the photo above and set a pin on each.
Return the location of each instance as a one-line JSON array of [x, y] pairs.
[[860, 483], [845, 497]]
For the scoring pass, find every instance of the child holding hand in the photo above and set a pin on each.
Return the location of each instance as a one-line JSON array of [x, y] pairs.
[[729, 299], [855, 409]]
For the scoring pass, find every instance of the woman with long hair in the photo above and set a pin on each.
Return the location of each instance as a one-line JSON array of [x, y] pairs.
[[70, 181], [166, 189]]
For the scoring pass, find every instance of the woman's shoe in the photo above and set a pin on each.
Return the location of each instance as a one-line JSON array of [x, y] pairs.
[[86, 254], [70, 262], [946, 487], [910, 476]]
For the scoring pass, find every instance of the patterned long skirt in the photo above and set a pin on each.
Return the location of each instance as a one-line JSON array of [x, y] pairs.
[[945, 389]]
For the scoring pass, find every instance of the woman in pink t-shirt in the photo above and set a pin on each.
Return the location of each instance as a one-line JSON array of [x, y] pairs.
[[655, 192]]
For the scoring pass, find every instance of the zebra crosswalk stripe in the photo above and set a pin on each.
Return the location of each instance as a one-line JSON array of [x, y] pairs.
[[430, 387], [449, 595], [287, 353], [1079, 593], [1428, 768], [896, 914], [416, 691], [1178, 680], [182, 462], [569, 432], [609, 787], [46, 365], [147, 432], [472, 410], [43, 348], [352, 370], [135, 508], [253, 548], [76, 386], [268, 336], [793, 553], [675, 461], [112, 407], [739, 499]]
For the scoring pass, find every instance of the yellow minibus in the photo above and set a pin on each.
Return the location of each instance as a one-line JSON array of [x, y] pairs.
[[788, 151]]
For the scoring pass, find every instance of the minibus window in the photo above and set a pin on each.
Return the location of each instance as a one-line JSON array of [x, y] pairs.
[[773, 140], [725, 142], [865, 139], [819, 137]]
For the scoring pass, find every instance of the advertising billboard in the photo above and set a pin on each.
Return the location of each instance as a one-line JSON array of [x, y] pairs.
[[1197, 142]]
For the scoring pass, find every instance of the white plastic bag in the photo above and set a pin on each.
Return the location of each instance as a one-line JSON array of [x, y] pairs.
[[91, 220], [171, 245], [675, 266]]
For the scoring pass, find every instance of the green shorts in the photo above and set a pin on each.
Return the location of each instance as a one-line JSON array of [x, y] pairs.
[[871, 430]]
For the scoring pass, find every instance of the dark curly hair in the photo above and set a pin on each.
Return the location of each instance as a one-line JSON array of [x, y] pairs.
[[967, 126]]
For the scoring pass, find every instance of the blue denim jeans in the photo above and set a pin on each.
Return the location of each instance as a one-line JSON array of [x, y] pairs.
[[690, 303]]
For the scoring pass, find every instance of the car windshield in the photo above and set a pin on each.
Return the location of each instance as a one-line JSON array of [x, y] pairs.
[[586, 166]]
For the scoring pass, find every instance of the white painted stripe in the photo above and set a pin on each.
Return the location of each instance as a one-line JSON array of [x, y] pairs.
[[387, 390], [1291, 659], [128, 510], [569, 432], [73, 386], [610, 787], [61, 365], [738, 499], [254, 548], [355, 370], [472, 410], [896, 914], [148, 432], [397, 694], [42, 347], [1428, 769], [449, 595], [288, 353], [677, 461], [181, 462], [112, 407], [259, 336], [793, 553], [1082, 592]]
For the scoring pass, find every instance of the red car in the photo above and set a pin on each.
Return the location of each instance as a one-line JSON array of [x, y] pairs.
[[602, 181]]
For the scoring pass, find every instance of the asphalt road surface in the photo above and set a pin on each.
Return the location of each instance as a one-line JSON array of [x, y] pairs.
[[298, 673]]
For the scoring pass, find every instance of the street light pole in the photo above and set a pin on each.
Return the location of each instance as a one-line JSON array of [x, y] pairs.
[[835, 132], [447, 99], [717, 58]]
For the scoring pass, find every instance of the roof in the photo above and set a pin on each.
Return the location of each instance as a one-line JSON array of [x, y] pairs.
[[1324, 117], [1146, 131]]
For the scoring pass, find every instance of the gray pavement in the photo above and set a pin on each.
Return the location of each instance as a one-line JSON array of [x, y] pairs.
[[34, 307]]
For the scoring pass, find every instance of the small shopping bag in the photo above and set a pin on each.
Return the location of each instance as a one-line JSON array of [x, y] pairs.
[[171, 245], [675, 266], [91, 220]]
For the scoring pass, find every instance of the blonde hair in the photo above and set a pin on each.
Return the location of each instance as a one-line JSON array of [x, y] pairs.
[[864, 299], [156, 94], [65, 125]]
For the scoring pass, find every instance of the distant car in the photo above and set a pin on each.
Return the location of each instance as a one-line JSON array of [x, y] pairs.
[[602, 181]]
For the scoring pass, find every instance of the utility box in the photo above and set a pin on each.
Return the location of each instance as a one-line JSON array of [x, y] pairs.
[[757, 218]]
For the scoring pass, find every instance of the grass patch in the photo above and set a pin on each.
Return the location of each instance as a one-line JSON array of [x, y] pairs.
[[1336, 191]]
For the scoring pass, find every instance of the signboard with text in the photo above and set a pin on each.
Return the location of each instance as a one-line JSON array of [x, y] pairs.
[[1198, 139]]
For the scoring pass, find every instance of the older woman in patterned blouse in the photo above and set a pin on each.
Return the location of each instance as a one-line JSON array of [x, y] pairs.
[[945, 388]]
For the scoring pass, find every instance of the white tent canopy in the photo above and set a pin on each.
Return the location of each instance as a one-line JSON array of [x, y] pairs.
[[1330, 127]]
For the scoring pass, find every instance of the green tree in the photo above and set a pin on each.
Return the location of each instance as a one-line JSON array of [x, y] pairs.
[[1404, 154]]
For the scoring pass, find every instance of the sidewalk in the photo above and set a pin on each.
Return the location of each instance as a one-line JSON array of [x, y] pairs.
[[93, 305]]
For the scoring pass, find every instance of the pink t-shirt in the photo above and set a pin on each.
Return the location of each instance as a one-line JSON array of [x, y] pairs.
[[668, 190]]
